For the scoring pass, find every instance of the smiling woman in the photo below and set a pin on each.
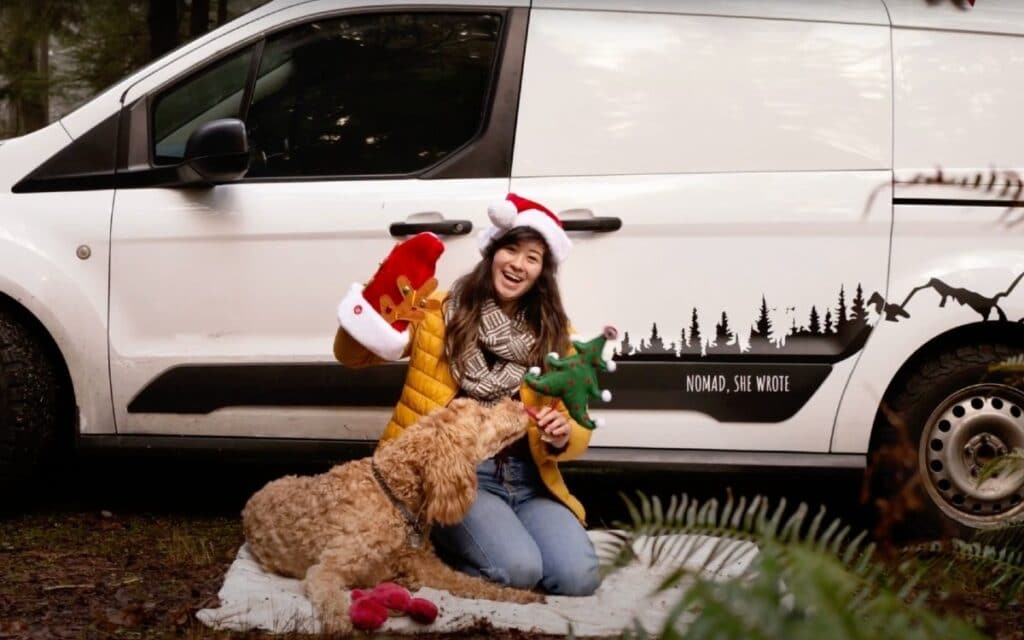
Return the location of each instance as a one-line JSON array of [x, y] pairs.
[[524, 528]]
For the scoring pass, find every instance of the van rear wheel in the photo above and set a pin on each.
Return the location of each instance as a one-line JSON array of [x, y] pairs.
[[954, 414], [30, 408]]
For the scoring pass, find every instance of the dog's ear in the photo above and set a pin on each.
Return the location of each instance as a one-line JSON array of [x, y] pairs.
[[449, 476]]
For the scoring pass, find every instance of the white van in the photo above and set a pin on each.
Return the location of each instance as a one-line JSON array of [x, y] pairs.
[[765, 198]]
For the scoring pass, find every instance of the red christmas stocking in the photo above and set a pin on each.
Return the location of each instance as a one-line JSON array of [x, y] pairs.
[[378, 315]]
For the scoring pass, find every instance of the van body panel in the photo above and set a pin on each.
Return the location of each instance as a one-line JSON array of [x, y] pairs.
[[208, 285], [956, 102], [695, 247], [240, 275], [944, 260], [39, 269], [744, 95], [745, 221]]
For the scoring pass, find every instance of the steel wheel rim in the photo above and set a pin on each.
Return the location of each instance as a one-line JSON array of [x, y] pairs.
[[966, 430]]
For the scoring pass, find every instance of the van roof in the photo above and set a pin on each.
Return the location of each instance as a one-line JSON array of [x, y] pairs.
[[990, 16]]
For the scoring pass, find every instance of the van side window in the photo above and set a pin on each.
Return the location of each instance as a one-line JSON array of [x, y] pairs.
[[371, 94], [215, 92]]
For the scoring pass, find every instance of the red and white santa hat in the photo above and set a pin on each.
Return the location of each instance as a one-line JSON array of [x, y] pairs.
[[515, 211]]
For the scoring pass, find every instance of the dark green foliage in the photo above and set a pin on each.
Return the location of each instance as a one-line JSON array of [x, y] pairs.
[[809, 579]]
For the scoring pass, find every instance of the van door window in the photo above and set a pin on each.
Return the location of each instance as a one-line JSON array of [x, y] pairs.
[[371, 94], [215, 92]]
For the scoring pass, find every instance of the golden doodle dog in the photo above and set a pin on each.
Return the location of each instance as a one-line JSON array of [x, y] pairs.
[[368, 521]]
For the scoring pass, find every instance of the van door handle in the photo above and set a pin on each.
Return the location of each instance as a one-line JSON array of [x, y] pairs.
[[440, 227], [600, 225]]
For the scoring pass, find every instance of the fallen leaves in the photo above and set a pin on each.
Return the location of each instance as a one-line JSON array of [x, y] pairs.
[[94, 575]]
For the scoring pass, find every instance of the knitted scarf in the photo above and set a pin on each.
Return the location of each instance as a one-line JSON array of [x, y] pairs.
[[508, 342]]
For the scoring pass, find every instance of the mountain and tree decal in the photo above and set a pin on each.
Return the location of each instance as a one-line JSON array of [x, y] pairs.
[[770, 374], [830, 332]]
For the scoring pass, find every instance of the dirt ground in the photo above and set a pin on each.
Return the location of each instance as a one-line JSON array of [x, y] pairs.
[[107, 575], [133, 548]]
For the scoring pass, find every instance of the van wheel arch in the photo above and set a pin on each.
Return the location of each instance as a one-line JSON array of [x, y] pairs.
[[931, 376], [37, 405]]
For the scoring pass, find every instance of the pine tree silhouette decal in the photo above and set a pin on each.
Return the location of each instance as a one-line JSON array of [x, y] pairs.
[[695, 337], [842, 332], [625, 347], [814, 325], [656, 345], [723, 334], [858, 314], [760, 333], [841, 312]]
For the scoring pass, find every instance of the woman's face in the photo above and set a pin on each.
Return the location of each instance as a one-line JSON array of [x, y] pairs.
[[516, 267]]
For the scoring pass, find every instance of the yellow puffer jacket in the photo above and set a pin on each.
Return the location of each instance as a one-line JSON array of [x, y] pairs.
[[429, 385]]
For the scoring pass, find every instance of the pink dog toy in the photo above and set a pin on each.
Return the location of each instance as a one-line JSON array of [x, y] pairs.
[[370, 609]]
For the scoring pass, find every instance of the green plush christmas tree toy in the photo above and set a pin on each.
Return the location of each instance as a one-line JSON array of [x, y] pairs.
[[573, 378]]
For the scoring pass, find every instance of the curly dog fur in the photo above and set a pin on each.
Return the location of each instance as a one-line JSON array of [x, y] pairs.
[[338, 530]]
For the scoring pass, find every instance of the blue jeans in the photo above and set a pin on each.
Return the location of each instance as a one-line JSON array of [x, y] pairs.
[[515, 535]]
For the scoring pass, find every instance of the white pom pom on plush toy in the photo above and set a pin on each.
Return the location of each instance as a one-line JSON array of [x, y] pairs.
[[502, 214]]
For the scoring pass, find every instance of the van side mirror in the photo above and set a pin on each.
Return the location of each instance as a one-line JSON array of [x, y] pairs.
[[216, 152]]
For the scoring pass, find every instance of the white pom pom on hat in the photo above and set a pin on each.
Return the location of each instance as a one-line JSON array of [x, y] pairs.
[[515, 211], [502, 214]]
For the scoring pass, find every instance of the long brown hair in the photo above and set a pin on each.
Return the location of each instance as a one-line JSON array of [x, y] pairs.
[[542, 304]]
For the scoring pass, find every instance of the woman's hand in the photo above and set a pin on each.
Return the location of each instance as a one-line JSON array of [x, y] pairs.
[[554, 427]]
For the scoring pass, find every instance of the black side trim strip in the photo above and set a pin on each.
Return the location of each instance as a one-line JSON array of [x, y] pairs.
[[729, 392], [298, 450], [958, 202], [200, 389]]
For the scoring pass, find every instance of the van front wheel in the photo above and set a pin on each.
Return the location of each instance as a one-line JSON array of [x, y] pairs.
[[30, 396], [958, 411]]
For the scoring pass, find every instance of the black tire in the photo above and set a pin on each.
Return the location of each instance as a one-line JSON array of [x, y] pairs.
[[31, 411], [933, 432]]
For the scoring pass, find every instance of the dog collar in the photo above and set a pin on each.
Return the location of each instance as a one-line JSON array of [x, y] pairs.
[[415, 532]]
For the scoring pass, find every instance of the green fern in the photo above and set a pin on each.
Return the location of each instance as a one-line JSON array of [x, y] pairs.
[[808, 580], [997, 555]]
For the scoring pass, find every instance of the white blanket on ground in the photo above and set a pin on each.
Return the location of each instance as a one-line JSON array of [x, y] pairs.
[[254, 599]]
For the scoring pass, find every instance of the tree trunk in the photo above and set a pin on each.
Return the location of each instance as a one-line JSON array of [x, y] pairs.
[[35, 106], [163, 27], [222, 12], [199, 18], [27, 50]]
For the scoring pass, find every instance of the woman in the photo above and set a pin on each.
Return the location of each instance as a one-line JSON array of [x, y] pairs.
[[524, 529]]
